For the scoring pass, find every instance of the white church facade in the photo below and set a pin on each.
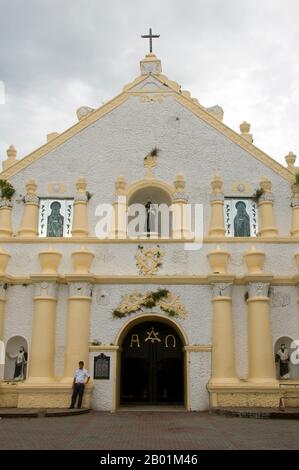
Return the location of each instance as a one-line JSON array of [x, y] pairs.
[[193, 315]]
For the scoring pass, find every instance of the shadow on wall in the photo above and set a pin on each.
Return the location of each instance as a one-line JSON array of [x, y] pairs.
[[16, 358], [293, 369]]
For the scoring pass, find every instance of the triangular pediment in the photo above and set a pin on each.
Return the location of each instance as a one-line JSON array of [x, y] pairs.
[[150, 85]]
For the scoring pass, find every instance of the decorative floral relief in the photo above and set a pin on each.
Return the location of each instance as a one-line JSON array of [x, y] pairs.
[[136, 301], [149, 260]]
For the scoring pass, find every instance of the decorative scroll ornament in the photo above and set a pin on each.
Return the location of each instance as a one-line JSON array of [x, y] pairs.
[[221, 289], [136, 301], [259, 289], [149, 260]]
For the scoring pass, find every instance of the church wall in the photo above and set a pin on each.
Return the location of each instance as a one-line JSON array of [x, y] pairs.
[[19, 312], [118, 142], [200, 373], [197, 325], [119, 259]]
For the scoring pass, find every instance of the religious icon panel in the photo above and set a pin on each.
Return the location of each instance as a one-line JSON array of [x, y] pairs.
[[240, 217], [55, 217]]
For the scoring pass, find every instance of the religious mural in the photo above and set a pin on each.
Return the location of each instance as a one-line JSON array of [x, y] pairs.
[[55, 217], [240, 216]]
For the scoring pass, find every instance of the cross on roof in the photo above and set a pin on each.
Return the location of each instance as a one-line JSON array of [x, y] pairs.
[[150, 36]]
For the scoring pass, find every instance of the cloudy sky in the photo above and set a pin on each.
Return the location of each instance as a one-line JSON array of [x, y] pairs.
[[56, 56]]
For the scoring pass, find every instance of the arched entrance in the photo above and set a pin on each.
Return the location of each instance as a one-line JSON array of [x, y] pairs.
[[152, 365]]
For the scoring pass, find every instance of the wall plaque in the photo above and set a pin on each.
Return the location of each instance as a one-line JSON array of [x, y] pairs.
[[101, 369]]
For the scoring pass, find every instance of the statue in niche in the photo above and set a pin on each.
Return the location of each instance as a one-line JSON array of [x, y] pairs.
[[283, 358], [20, 363], [241, 221], [55, 221], [150, 223]]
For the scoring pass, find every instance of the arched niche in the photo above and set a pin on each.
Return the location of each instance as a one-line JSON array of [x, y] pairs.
[[11, 352], [293, 368], [159, 195]]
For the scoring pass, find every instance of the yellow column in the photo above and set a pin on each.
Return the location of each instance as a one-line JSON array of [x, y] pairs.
[[41, 359], [267, 226], [223, 350], [2, 308], [80, 217], [29, 224], [5, 218], [180, 222], [120, 209], [217, 228], [77, 335], [261, 366], [295, 210]]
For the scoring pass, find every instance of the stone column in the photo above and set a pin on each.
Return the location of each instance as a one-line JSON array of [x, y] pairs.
[[5, 218], [267, 226], [217, 228], [80, 217], [261, 366], [77, 335], [42, 355], [223, 350], [2, 308], [29, 224], [295, 210], [119, 215], [180, 221]]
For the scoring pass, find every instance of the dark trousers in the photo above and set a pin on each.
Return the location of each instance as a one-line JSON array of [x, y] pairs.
[[77, 390]]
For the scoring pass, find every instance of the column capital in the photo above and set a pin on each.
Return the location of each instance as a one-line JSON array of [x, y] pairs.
[[258, 289], [3, 289], [80, 289], [217, 197], [46, 289], [6, 203], [295, 201], [222, 289]]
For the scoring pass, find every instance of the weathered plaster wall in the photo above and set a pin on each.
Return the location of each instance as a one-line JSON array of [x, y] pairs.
[[117, 143]]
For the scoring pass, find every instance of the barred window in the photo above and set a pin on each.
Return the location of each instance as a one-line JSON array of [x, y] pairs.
[[55, 217], [240, 217]]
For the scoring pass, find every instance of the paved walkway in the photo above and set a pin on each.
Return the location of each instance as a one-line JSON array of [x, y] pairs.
[[148, 430]]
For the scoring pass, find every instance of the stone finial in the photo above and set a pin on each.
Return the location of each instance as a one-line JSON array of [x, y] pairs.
[[216, 184], [218, 260], [11, 157], [81, 185], [216, 111], [31, 186], [266, 184], [255, 260], [49, 260], [120, 185], [83, 111], [4, 259], [245, 129], [290, 159], [82, 260], [52, 136], [179, 182]]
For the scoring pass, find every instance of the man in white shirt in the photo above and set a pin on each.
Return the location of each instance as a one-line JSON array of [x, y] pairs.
[[81, 377]]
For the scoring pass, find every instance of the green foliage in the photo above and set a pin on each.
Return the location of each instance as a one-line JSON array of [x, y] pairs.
[[257, 194], [150, 301], [154, 152], [6, 190], [297, 178]]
